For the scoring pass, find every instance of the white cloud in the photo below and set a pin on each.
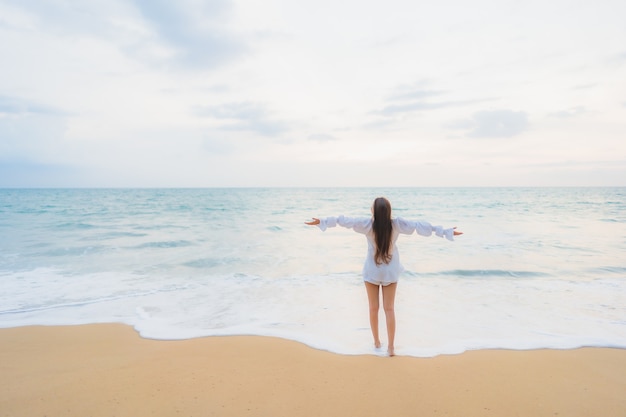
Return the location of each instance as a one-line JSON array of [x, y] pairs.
[[19, 107], [415, 106], [246, 116], [493, 124], [418, 94], [498, 124], [30, 132], [571, 112], [194, 29], [322, 137]]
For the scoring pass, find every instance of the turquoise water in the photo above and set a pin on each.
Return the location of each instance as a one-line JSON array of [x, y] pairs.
[[536, 267]]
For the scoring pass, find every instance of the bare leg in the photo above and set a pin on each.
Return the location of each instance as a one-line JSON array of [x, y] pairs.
[[389, 298], [374, 305]]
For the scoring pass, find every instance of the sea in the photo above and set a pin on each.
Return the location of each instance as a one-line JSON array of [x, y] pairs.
[[535, 268]]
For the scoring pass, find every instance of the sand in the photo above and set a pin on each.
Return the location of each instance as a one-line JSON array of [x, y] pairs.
[[108, 370]]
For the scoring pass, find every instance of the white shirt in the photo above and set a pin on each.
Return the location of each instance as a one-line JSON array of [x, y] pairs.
[[384, 274]]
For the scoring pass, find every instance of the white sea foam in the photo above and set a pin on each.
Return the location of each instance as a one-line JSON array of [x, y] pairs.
[[435, 315]]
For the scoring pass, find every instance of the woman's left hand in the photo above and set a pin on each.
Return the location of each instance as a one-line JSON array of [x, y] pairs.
[[314, 222]]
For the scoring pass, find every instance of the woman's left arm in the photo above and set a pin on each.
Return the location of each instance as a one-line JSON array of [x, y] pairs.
[[425, 229]]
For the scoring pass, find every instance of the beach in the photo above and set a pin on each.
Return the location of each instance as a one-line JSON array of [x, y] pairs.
[[222, 302], [108, 369]]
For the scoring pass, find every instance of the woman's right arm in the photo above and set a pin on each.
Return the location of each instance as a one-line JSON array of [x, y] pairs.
[[358, 224]]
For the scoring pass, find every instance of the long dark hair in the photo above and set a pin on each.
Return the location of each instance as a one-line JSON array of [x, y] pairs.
[[382, 227]]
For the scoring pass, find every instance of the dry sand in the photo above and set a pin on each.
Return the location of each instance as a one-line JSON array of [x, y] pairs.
[[108, 370]]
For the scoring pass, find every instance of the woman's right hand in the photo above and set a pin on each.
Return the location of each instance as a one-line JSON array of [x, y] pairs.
[[314, 222]]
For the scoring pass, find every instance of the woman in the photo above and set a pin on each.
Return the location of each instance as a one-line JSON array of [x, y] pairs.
[[382, 265]]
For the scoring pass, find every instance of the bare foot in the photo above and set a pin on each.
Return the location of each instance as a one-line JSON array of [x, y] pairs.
[[391, 351], [377, 344]]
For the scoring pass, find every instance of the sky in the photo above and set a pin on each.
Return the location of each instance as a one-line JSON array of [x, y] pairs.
[[312, 93]]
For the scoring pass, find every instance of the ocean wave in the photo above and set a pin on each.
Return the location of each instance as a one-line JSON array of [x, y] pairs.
[[159, 226], [609, 269], [164, 244], [203, 263], [88, 301], [115, 235], [74, 226], [488, 273], [73, 251]]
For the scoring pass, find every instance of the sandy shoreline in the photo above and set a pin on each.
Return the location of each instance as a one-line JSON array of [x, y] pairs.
[[108, 370]]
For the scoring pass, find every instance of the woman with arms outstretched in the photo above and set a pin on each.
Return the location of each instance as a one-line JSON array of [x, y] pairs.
[[382, 265]]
